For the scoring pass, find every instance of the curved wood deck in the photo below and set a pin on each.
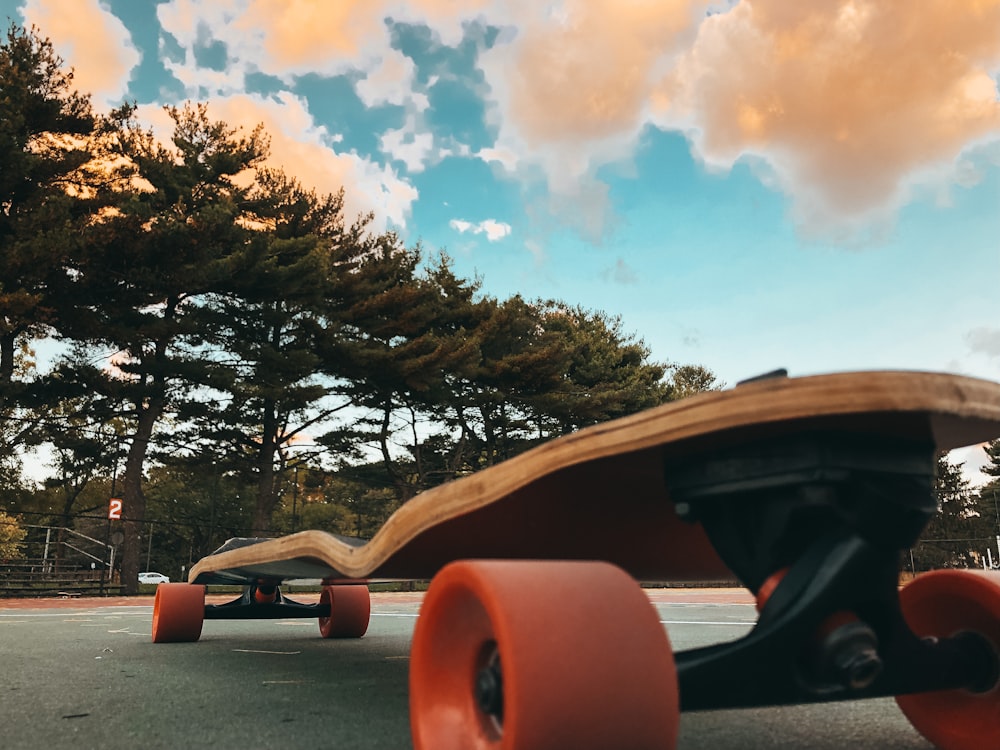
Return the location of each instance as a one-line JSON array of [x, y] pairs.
[[600, 493]]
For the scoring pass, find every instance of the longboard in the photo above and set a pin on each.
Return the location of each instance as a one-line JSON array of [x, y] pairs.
[[602, 492], [805, 489]]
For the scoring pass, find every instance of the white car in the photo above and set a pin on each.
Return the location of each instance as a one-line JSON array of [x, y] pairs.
[[149, 577]]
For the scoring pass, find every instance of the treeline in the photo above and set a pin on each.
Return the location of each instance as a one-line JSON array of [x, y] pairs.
[[221, 343], [966, 531]]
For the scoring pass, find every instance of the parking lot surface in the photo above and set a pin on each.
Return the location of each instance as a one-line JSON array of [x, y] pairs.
[[84, 673]]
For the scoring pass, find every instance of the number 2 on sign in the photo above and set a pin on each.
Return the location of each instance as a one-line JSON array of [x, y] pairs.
[[115, 509]]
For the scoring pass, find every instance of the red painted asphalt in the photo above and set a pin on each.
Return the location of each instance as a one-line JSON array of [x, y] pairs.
[[673, 595]]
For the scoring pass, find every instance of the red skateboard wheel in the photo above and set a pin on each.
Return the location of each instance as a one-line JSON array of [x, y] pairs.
[[178, 612], [350, 611], [515, 655], [941, 604]]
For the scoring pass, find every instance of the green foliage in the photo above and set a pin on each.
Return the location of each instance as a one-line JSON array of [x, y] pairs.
[[399, 336], [344, 503], [43, 150], [987, 505], [602, 372], [687, 380], [84, 437], [322, 516], [140, 281], [270, 332], [193, 506], [958, 535], [11, 536], [992, 450]]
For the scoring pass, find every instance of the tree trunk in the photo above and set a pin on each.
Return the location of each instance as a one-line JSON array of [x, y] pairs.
[[402, 491], [267, 498], [7, 350], [133, 499]]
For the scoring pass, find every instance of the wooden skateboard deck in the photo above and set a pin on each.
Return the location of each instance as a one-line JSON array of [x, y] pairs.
[[602, 493]]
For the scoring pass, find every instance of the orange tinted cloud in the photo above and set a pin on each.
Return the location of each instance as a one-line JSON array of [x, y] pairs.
[[850, 102], [585, 70], [300, 36], [92, 41], [304, 35], [306, 152], [846, 105], [571, 85]]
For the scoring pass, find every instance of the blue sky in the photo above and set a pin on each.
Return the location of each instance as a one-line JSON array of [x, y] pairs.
[[808, 185]]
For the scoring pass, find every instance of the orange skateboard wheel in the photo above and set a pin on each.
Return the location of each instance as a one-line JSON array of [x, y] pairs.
[[941, 604], [178, 612], [350, 611], [516, 655], [265, 594]]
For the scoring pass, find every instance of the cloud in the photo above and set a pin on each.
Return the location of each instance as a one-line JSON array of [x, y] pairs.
[[568, 83], [506, 158], [621, 273], [985, 341], [92, 41], [570, 90], [285, 39], [194, 26], [391, 81], [288, 38], [850, 104], [408, 145], [851, 108], [584, 73], [494, 230], [298, 37]]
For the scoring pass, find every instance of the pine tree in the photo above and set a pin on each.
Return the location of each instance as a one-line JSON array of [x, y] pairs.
[[44, 147], [955, 537], [138, 285], [992, 450], [269, 336], [43, 128]]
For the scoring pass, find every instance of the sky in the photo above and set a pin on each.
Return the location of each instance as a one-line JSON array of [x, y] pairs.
[[811, 185]]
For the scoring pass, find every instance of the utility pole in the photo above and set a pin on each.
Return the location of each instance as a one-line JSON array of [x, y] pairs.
[[295, 496]]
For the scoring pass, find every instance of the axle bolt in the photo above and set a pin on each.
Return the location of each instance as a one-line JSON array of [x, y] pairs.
[[489, 689]]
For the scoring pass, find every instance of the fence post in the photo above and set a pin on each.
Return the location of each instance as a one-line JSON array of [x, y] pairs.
[[45, 552]]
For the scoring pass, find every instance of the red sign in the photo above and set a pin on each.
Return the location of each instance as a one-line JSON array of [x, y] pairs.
[[115, 509]]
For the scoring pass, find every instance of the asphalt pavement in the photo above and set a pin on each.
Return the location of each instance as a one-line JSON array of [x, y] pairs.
[[84, 674]]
